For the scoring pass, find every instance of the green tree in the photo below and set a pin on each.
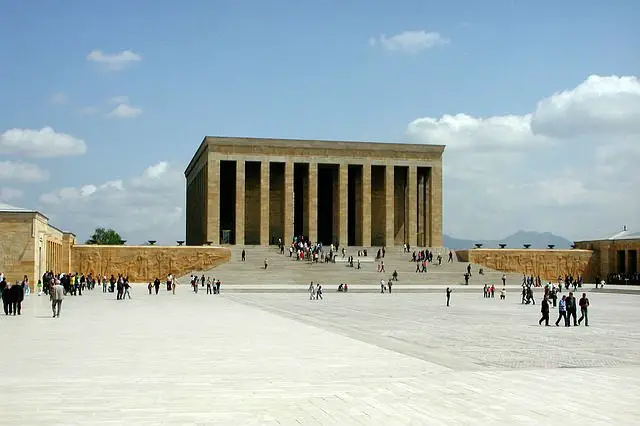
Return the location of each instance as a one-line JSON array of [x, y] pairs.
[[105, 237]]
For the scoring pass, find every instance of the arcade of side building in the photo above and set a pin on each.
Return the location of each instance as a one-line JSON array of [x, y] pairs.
[[250, 192]]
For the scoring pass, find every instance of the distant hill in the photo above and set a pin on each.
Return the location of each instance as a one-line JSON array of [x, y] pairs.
[[536, 239]]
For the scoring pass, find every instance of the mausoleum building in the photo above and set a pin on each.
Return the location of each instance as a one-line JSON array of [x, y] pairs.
[[248, 191]]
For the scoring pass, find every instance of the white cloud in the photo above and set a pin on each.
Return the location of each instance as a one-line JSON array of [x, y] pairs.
[[8, 193], [59, 98], [119, 100], [409, 41], [114, 61], [603, 105], [124, 111], [44, 143], [22, 172], [144, 207], [570, 166]]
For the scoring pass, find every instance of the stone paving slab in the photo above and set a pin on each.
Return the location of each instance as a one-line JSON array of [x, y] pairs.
[[362, 359]]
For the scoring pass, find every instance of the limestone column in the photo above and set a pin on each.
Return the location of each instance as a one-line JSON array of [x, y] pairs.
[[288, 203], [343, 212], [412, 205], [264, 203], [313, 202], [421, 212], [389, 205], [435, 206], [213, 200], [366, 205], [240, 219]]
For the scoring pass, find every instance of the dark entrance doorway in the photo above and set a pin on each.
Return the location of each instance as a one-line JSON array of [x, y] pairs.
[[227, 202], [327, 202], [300, 199], [621, 262], [354, 205]]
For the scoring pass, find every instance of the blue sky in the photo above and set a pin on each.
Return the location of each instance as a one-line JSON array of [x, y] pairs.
[[302, 70]]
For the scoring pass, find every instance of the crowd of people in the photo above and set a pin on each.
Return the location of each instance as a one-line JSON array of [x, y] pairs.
[[13, 294], [567, 310], [626, 278], [59, 285], [213, 285]]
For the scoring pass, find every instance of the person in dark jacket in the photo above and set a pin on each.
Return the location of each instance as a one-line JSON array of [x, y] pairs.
[[6, 298], [17, 296], [544, 309], [571, 309]]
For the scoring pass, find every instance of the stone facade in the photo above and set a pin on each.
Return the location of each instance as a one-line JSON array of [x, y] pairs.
[[253, 191], [29, 245], [614, 256], [145, 263], [548, 264]]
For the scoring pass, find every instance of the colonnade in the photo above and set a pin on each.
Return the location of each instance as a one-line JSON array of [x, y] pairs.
[[256, 201]]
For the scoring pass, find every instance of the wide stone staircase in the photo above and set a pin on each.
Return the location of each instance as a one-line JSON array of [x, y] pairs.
[[284, 271]]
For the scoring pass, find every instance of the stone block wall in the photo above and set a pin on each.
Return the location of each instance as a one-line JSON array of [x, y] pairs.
[[549, 264], [606, 261], [144, 263], [17, 246]]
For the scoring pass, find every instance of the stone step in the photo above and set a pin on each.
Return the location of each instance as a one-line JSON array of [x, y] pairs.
[[286, 271]]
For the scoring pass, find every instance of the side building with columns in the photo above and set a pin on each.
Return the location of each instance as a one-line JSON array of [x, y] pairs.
[[30, 245], [252, 191]]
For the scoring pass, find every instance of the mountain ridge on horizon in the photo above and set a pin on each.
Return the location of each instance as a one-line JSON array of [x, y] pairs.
[[515, 240]]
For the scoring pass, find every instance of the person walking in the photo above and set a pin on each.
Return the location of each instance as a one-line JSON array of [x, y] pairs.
[[544, 309], [17, 296], [570, 302], [126, 288], [562, 312], [56, 294], [312, 291], [584, 307]]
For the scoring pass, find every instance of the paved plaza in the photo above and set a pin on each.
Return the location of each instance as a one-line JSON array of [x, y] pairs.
[[356, 358]]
